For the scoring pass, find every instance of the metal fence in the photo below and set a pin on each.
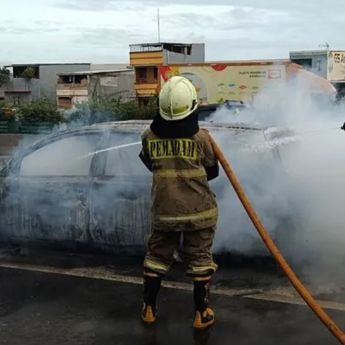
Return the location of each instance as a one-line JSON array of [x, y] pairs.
[[13, 126]]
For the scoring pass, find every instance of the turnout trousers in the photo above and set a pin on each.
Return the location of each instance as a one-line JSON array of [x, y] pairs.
[[196, 249]]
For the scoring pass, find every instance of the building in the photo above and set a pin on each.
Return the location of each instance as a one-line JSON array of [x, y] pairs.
[[329, 64], [146, 59], [78, 87], [29, 82]]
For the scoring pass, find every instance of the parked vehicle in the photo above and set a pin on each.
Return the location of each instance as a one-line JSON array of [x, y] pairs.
[[219, 83], [206, 112]]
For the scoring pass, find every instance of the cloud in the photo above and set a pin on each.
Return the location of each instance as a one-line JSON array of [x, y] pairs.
[[230, 29], [106, 37], [234, 18], [317, 7], [189, 19], [101, 5], [27, 30], [87, 5], [43, 22]]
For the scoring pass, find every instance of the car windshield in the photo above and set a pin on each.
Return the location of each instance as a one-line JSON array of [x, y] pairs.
[[65, 157], [123, 160]]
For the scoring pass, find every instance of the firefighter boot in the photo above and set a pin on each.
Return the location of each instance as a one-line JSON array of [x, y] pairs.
[[204, 315], [152, 283]]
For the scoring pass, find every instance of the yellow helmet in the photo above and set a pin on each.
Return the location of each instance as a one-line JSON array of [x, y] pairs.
[[177, 99]]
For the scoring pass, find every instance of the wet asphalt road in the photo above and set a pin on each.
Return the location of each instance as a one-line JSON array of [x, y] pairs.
[[40, 308]]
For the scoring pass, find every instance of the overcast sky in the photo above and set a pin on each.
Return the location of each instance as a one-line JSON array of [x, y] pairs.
[[100, 31]]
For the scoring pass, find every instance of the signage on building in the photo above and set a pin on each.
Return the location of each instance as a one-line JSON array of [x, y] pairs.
[[336, 66], [217, 83]]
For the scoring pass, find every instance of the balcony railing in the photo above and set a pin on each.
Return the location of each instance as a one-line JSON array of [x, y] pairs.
[[145, 48], [146, 81], [71, 86]]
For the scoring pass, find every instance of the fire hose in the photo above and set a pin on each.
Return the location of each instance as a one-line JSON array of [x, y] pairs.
[[274, 250]]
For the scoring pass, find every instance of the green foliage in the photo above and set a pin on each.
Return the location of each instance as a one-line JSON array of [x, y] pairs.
[[112, 110], [7, 111], [3, 106], [28, 73], [44, 113], [41, 110], [4, 76]]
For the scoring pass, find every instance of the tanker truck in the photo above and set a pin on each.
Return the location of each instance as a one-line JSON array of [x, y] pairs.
[[238, 83]]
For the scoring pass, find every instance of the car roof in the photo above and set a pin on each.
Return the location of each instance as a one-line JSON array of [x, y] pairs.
[[139, 125], [128, 126], [134, 127], [131, 126]]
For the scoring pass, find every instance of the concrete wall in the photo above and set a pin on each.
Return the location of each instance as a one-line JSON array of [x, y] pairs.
[[45, 86], [320, 65], [24, 90], [112, 85], [319, 60], [48, 77]]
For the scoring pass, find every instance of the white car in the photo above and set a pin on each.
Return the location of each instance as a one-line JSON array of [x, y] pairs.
[[70, 190]]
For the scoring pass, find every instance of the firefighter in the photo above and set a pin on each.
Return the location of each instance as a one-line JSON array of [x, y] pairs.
[[182, 161]]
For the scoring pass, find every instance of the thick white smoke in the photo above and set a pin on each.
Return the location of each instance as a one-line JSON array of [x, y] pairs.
[[300, 197], [292, 169]]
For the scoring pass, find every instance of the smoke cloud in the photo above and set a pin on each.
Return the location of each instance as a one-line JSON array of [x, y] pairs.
[[299, 195], [290, 162]]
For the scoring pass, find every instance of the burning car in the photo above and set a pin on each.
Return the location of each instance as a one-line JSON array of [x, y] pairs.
[[87, 188]]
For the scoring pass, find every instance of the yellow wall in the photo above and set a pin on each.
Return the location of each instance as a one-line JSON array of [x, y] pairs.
[[146, 58], [143, 90]]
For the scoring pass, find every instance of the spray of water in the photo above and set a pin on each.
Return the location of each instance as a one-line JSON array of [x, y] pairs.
[[117, 147]]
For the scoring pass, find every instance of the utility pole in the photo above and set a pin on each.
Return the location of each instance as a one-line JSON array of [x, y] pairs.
[[159, 29], [325, 45]]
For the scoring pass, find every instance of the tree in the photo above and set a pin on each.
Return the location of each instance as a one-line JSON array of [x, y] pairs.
[[28, 73], [101, 110], [4, 76], [41, 110]]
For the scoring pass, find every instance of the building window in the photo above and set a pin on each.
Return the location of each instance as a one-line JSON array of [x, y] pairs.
[[64, 103], [305, 63], [141, 75], [185, 49], [124, 162], [64, 157], [65, 79], [15, 100], [30, 70]]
